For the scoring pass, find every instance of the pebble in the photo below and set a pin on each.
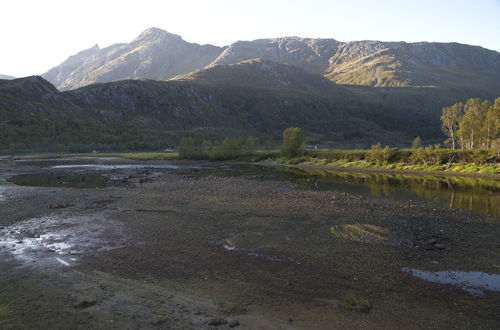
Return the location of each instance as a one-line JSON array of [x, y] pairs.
[[216, 322]]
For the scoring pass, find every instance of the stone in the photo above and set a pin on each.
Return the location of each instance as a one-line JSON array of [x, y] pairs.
[[234, 323], [439, 246], [216, 322]]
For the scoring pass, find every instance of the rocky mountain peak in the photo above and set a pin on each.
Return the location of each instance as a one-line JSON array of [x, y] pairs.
[[155, 34]]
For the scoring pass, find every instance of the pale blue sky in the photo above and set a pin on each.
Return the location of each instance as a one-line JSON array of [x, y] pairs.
[[37, 35]]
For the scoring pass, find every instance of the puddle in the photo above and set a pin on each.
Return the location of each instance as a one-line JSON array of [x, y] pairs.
[[60, 238], [474, 283], [87, 180], [63, 262], [3, 195]]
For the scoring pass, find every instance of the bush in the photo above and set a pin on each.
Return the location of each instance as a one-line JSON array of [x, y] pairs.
[[293, 142]]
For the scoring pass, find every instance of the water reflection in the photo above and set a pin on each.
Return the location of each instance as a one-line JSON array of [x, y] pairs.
[[482, 195], [82, 180], [472, 282]]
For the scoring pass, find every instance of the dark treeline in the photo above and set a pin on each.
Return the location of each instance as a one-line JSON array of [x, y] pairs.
[[198, 147]]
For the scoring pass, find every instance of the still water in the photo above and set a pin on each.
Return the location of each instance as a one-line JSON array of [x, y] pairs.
[[481, 195]]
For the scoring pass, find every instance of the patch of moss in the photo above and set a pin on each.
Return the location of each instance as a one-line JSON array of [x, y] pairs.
[[161, 320], [352, 303]]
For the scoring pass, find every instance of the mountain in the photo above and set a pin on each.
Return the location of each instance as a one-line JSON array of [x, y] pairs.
[[159, 55], [219, 101], [159, 88], [309, 54], [400, 64], [250, 98], [6, 77], [154, 54]]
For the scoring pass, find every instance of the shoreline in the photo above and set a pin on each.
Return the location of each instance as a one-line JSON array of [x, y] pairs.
[[382, 170]]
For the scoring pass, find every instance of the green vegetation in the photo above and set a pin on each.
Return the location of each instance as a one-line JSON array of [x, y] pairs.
[[426, 159], [472, 125], [230, 148], [293, 142], [416, 143], [432, 158]]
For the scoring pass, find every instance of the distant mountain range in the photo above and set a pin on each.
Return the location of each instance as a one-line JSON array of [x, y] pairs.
[[157, 89], [159, 55], [6, 77]]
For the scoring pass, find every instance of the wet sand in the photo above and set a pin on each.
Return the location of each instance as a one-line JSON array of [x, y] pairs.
[[162, 250]]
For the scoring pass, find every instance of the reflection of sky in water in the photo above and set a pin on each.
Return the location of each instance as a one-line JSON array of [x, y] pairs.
[[54, 236], [482, 195], [3, 197], [471, 282], [118, 167]]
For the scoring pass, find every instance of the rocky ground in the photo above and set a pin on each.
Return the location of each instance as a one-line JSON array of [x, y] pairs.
[[159, 249]]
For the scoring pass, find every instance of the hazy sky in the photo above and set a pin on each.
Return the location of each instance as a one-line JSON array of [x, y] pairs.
[[39, 34]]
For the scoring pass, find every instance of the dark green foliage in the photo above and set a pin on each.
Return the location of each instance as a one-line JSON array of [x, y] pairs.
[[293, 142], [229, 148]]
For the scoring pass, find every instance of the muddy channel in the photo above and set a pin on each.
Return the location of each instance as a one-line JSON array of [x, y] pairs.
[[112, 244]]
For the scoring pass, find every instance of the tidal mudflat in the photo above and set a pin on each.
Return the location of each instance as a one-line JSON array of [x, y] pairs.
[[121, 245]]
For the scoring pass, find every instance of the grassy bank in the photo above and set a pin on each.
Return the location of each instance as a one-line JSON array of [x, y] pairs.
[[423, 159]]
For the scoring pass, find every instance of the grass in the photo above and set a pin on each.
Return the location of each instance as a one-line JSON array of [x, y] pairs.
[[428, 159], [352, 303], [6, 320], [447, 160]]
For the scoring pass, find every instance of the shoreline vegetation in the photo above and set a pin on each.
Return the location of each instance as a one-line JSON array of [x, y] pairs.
[[427, 160], [474, 126]]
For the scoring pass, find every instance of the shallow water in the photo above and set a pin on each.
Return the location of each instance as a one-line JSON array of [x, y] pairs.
[[482, 195], [73, 180], [117, 167], [474, 283], [60, 237]]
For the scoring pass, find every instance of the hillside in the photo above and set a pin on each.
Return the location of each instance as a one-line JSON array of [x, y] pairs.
[[6, 77], [400, 64], [35, 116], [253, 97], [150, 114]]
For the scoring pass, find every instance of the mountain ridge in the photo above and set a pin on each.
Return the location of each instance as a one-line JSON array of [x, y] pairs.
[[254, 97], [160, 55]]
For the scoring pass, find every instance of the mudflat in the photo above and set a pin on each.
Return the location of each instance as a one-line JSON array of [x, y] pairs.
[[169, 249]]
